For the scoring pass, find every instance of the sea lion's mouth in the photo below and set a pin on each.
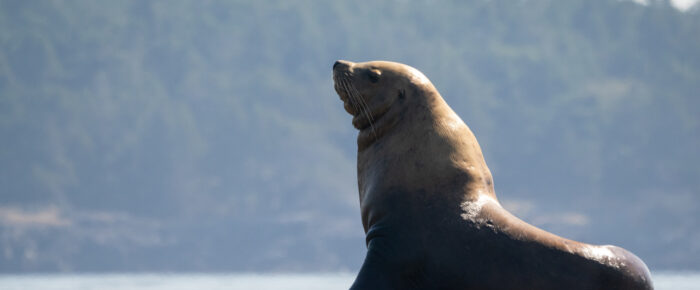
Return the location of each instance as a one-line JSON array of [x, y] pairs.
[[349, 108], [347, 101]]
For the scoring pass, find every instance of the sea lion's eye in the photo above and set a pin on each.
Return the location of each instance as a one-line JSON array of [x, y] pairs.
[[373, 75]]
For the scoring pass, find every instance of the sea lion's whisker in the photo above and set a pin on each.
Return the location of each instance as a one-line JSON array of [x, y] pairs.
[[345, 89], [351, 100], [368, 114], [357, 98], [362, 102]]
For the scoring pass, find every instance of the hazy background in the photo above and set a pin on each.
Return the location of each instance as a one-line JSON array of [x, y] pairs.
[[206, 135]]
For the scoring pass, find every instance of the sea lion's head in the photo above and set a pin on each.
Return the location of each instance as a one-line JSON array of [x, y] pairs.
[[371, 89], [410, 140]]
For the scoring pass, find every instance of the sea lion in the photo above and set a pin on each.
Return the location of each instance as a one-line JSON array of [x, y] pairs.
[[428, 205]]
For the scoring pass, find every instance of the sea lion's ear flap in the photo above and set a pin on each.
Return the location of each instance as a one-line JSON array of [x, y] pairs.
[[374, 75], [402, 94]]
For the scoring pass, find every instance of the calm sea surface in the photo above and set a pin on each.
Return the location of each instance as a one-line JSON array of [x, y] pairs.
[[325, 281]]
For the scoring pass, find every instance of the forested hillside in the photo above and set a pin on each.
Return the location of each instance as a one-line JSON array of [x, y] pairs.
[[206, 135]]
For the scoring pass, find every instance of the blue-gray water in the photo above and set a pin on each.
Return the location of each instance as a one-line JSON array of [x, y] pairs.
[[326, 281]]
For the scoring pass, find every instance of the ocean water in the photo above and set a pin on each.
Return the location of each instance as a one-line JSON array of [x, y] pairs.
[[325, 281]]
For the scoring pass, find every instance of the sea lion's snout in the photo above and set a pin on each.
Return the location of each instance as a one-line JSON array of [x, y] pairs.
[[341, 64]]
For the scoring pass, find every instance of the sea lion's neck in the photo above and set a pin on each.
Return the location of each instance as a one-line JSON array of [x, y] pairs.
[[422, 145]]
